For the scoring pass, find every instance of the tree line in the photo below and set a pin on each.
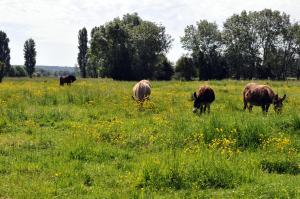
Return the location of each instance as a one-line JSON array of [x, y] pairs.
[[251, 45], [261, 44]]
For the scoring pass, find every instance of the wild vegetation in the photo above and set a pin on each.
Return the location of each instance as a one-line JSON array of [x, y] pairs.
[[91, 140]]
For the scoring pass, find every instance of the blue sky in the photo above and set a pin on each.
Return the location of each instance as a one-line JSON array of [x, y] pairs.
[[54, 24]]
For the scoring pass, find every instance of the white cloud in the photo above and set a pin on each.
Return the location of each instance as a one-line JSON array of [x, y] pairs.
[[54, 24]]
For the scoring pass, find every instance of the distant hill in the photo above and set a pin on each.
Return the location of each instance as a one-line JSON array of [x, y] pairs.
[[41, 70], [55, 70]]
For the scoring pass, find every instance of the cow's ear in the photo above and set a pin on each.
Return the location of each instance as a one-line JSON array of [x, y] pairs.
[[195, 96], [283, 98]]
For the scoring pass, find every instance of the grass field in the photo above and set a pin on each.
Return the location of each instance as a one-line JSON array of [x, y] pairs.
[[91, 140]]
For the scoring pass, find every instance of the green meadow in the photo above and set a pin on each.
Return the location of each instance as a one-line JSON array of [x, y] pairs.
[[91, 140]]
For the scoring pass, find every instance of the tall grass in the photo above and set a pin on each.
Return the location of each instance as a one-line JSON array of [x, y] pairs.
[[91, 140]]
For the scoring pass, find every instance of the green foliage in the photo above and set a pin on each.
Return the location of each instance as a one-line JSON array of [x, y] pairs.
[[129, 48], [17, 71], [30, 56], [260, 44], [185, 68], [204, 42], [82, 57], [4, 55], [164, 69]]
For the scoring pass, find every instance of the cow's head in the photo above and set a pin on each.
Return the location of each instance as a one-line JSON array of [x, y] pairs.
[[73, 78], [197, 102], [277, 101]]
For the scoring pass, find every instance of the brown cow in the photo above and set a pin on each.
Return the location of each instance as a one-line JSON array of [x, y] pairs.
[[203, 98], [261, 95], [141, 90]]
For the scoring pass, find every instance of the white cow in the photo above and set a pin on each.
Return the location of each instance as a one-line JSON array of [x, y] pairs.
[[141, 90]]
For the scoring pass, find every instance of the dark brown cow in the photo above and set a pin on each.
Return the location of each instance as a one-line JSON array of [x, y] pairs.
[[68, 79], [261, 95], [203, 98]]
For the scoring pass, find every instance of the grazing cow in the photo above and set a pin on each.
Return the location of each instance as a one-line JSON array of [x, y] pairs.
[[141, 91], [146, 82], [68, 79], [203, 98], [261, 95]]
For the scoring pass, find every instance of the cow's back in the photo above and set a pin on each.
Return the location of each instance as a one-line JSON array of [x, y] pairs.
[[258, 94], [146, 82], [141, 91], [206, 94], [249, 87]]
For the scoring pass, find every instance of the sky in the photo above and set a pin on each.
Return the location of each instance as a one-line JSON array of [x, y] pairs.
[[54, 24]]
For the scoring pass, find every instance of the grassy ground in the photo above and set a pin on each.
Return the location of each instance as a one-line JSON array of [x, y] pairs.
[[91, 140]]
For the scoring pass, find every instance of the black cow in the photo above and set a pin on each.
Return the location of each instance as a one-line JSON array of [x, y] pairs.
[[68, 79]]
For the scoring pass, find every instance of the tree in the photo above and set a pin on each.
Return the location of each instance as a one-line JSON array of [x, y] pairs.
[[260, 44], [164, 70], [150, 42], [296, 68], [17, 71], [203, 41], [20, 71], [82, 58], [241, 45], [4, 55], [30, 56], [270, 27], [111, 48], [128, 48], [93, 66], [12, 72], [185, 68]]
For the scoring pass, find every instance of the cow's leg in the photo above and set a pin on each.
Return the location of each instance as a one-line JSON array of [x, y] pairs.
[[201, 108], [267, 108], [204, 108], [250, 107], [208, 108], [263, 108], [245, 105]]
